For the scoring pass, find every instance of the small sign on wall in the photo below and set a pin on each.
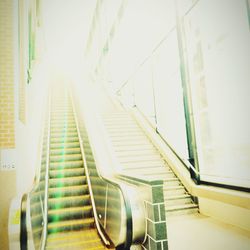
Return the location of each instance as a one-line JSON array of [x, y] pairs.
[[7, 159]]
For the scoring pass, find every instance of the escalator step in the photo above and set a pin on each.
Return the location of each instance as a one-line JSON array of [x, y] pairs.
[[87, 239], [70, 213], [68, 172], [65, 151], [68, 191], [62, 117], [71, 201], [68, 164], [58, 126], [63, 139], [67, 181], [65, 145], [63, 130], [65, 157], [71, 225]]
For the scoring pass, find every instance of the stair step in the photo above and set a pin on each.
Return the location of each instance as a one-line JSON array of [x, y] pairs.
[[180, 207], [70, 213], [112, 126], [142, 164], [112, 121], [131, 143], [128, 141], [67, 164], [71, 225], [173, 190], [145, 167], [159, 176], [176, 197], [64, 202], [132, 148], [68, 191], [65, 157], [67, 181], [178, 200], [139, 152], [131, 127], [118, 118], [171, 182], [116, 137], [68, 172], [139, 158]]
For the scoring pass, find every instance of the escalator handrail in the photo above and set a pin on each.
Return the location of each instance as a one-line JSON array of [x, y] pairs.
[[23, 224], [129, 224], [25, 196], [45, 210]]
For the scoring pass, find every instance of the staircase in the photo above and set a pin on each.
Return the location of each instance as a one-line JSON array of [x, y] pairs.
[[138, 156], [70, 217]]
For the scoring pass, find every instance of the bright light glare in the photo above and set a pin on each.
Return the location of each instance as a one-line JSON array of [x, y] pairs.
[[66, 25]]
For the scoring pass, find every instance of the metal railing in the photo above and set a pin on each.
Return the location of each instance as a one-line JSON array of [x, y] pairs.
[[111, 205]]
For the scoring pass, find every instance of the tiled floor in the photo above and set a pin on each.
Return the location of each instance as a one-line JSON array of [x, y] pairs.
[[198, 232]]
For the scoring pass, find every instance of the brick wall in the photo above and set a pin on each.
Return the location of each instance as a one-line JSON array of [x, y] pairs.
[[22, 66], [7, 107]]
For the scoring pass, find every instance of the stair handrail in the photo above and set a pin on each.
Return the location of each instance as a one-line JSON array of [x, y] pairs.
[[127, 204]]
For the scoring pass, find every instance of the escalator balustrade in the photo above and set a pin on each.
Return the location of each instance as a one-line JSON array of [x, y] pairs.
[[70, 215]]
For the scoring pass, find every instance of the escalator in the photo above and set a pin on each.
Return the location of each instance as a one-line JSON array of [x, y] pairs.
[[70, 214], [70, 205]]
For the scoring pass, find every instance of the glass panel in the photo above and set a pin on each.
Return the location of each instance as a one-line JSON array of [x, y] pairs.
[[127, 94], [36, 198], [108, 198], [114, 219], [144, 95], [218, 42], [169, 97]]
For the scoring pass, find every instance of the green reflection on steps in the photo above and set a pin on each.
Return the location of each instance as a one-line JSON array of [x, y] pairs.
[[60, 175]]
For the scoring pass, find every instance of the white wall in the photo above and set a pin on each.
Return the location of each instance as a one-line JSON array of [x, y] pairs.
[[217, 45], [218, 42]]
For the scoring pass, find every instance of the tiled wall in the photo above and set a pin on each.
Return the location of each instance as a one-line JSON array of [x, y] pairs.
[[156, 220], [156, 232], [7, 107]]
